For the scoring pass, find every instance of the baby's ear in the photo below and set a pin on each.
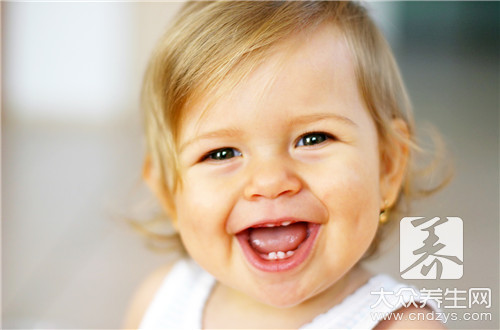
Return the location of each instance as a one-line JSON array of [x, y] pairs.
[[393, 161], [152, 178]]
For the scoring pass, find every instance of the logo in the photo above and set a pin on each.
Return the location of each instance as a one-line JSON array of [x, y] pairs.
[[431, 248]]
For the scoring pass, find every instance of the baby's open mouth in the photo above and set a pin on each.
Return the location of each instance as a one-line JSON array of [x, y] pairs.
[[278, 246], [277, 241]]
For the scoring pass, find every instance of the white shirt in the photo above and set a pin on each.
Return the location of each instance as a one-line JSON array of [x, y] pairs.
[[180, 301]]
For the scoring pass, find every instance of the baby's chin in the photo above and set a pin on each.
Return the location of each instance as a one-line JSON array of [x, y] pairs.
[[282, 297], [313, 290], [281, 301]]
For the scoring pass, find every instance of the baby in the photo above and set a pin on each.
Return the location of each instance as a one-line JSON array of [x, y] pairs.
[[279, 137]]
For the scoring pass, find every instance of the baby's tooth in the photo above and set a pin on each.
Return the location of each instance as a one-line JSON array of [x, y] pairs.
[[279, 255], [286, 223], [269, 225]]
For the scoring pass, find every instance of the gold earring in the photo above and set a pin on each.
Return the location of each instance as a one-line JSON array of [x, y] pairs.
[[384, 213]]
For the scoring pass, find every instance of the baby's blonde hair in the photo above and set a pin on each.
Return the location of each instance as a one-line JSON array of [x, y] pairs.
[[214, 44]]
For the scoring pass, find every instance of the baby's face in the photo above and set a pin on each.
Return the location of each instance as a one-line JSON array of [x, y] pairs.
[[281, 184]]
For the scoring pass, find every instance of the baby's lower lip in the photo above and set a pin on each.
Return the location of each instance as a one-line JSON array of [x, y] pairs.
[[279, 262]]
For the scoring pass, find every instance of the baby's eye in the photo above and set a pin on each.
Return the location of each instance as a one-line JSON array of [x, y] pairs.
[[314, 138], [222, 154]]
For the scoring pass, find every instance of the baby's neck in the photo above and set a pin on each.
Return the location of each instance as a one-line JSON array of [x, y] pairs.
[[227, 308]]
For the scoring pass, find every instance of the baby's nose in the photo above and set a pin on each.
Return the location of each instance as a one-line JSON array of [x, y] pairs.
[[271, 179]]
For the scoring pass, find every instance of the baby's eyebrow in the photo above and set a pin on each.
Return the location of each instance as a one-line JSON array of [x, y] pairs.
[[224, 132], [299, 120], [310, 118]]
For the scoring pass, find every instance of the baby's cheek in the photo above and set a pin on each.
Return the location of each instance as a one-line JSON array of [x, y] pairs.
[[351, 195], [352, 205], [349, 181], [202, 214]]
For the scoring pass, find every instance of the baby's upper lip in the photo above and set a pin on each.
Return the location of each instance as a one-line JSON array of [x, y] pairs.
[[282, 221], [301, 207]]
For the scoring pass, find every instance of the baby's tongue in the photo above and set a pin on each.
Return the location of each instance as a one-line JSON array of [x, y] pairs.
[[279, 238]]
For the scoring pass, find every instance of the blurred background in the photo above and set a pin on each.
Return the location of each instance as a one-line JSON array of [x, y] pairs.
[[72, 148]]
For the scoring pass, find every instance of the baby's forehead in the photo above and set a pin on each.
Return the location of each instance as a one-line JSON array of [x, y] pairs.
[[289, 62]]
